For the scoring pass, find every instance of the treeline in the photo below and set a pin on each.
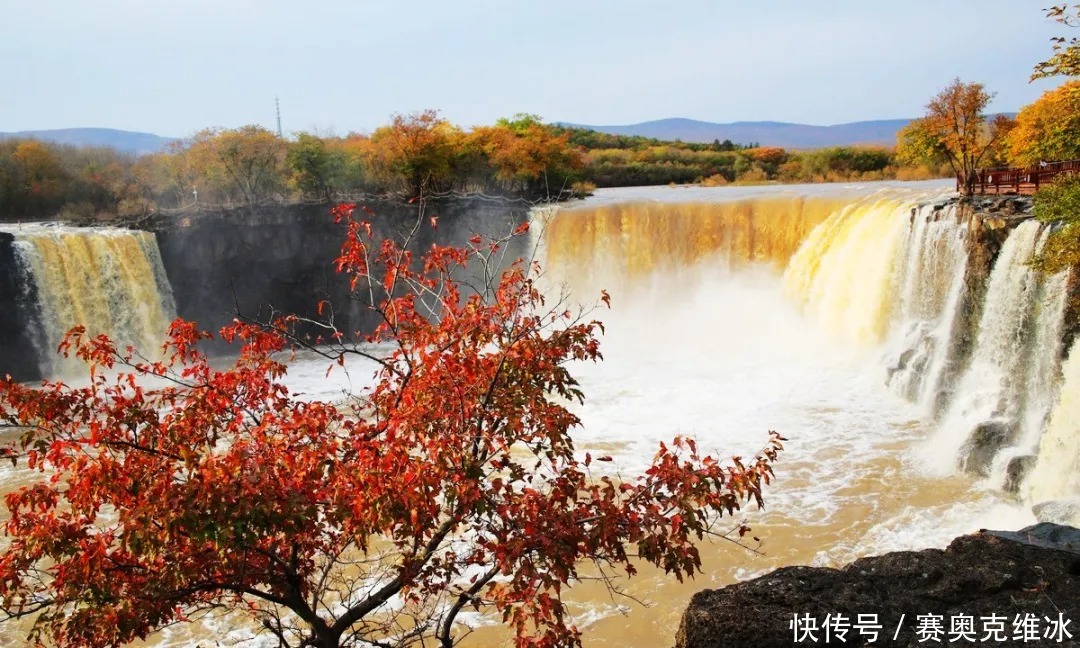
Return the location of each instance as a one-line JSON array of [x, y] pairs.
[[956, 132], [40, 180], [622, 161], [413, 155]]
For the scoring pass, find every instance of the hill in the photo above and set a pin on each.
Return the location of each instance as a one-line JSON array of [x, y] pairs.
[[127, 141], [766, 133]]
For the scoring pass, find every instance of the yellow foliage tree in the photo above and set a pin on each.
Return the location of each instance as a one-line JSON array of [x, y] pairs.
[[1049, 128], [526, 155], [415, 152], [242, 165], [954, 129]]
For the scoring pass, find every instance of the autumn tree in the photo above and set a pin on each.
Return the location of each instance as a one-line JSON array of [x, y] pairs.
[[954, 129], [245, 165], [174, 487], [44, 180], [40, 178], [187, 172], [999, 133], [253, 158], [1065, 60], [1048, 128], [415, 152], [527, 156]]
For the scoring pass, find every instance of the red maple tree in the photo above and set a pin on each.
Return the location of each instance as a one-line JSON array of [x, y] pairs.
[[170, 487]]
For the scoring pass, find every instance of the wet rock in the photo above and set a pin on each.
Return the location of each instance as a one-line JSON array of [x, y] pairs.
[[1017, 471], [1045, 534], [1064, 511], [977, 454], [904, 360], [1017, 205], [18, 357], [1072, 310], [1007, 574], [280, 257]]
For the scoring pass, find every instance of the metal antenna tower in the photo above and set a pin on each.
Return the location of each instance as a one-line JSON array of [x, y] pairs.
[[277, 106]]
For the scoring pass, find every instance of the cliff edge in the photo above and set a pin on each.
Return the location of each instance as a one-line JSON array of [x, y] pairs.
[[993, 588]]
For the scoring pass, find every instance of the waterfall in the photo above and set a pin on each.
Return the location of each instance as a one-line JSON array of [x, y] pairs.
[[614, 246], [1057, 468], [882, 271], [1003, 394], [930, 276], [1045, 359], [111, 281], [843, 274]]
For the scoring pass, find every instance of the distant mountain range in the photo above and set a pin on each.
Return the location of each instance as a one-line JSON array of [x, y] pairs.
[[766, 133], [128, 141]]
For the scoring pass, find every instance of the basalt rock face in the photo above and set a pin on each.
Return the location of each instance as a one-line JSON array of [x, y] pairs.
[[1035, 571], [1072, 310], [279, 259], [18, 355]]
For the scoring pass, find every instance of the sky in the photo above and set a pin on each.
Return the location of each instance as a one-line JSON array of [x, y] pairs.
[[173, 68]]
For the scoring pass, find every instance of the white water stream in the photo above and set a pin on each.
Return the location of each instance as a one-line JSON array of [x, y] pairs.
[[828, 314]]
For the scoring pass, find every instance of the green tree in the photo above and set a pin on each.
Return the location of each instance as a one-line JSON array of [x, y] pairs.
[[1059, 202], [318, 170]]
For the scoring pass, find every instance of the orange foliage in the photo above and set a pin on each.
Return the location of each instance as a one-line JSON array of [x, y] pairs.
[[768, 155], [1049, 128], [453, 480]]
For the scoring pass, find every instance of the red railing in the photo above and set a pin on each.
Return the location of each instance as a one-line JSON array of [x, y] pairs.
[[1020, 180]]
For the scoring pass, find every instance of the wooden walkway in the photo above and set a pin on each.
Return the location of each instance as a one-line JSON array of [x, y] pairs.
[[1021, 180]]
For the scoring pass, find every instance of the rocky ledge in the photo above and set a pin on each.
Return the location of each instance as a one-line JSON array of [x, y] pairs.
[[994, 588]]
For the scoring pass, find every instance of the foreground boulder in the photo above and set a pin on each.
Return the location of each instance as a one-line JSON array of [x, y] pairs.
[[988, 589]]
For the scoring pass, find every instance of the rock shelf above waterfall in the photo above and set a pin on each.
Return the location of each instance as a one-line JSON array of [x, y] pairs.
[[989, 574]]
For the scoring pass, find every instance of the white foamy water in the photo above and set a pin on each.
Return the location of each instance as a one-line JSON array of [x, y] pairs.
[[725, 352], [787, 337]]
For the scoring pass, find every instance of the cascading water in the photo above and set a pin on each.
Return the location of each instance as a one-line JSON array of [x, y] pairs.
[[1056, 474], [874, 270], [704, 341], [987, 408], [1043, 376], [111, 281], [1046, 350], [842, 273], [741, 315], [626, 242], [930, 277]]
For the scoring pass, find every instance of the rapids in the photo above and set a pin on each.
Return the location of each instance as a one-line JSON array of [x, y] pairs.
[[831, 314]]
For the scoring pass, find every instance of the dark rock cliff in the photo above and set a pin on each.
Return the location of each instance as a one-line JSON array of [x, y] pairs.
[[18, 356], [280, 258], [254, 261], [1035, 571]]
